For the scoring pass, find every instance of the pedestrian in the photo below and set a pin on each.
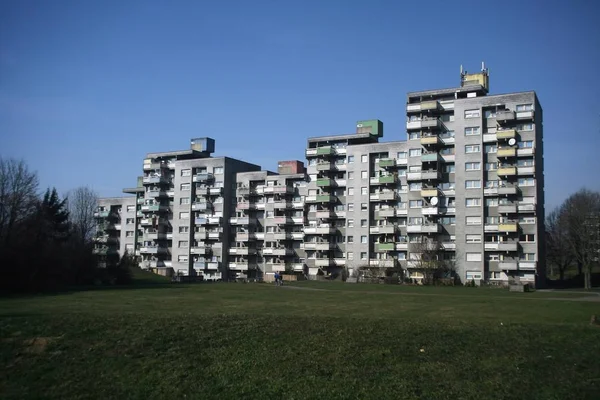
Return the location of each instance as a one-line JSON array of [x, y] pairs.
[[276, 278]]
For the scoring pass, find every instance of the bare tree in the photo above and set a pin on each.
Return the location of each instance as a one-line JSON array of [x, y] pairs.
[[557, 245], [82, 204], [18, 195], [582, 226], [429, 260]]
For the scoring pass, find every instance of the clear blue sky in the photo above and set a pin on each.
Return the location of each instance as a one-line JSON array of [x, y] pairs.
[[87, 88]]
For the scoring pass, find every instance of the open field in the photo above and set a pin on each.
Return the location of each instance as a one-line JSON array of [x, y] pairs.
[[307, 340]]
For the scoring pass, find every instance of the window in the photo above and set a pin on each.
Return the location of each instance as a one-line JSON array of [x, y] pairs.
[[186, 172], [525, 127], [491, 202], [183, 258], [472, 166], [364, 206], [524, 107], [129, 247], [472, 131], [447, 134], [363, 239], [414, 135], [129, 221], [351, 191], [472, 114], [350, 223], [184, 229], [270, 214], [185, 186], [473, 184], [414, 152], [525, 162], [491, 166], [130, 208], [415, 203], [527, 257], [363, 255], [472, 202], [449, 168], [527, 238], [401, 155], [184, 200], [526, 220], [350, 239], [128, 233], [364, 158], [350, 159], [363, 223], [350, 206], [473, 275], [184, 215], [472, 148], [415, 220], [414, 186], [401, 172], [489, 113], [414, 168], [491, 148], [526, 182], [448, 220], [473, 238], [492, 257], [364, 190], [473, 220], [528, 144], [447, 151], [350, 255], [447, 117], [217, 170], [473, 256], [351, 175], [312, 161], [183, 244], [364, 175]]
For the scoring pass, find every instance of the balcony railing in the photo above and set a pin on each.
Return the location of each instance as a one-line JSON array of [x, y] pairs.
[[384, 247], [387, 162], [507, 171], [506, 152], [431, 157], [324, 182], [508, 227], [505, 134], [429, 140], [505, 116], [428, 123], [203, 177]]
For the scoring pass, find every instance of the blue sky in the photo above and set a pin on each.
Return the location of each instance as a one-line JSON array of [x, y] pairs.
[[87, 88]]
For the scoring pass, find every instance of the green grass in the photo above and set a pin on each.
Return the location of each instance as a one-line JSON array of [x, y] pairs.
[[259, 341]]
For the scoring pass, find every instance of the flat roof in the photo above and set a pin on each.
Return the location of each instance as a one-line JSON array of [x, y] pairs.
[[432, 92], [345, 136], [173, 153], [133, 190]]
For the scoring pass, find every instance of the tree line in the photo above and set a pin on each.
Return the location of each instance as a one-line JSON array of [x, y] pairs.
[[46, 240], [573, 236]]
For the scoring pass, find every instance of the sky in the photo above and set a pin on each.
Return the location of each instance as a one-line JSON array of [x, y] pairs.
[[87, 88]]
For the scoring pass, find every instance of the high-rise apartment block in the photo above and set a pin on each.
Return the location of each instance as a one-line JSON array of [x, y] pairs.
[[467, 187]]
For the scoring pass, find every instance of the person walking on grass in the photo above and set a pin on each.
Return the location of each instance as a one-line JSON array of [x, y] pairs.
[[276, 278]]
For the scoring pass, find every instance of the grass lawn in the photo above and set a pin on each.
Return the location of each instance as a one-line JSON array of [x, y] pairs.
[[259, 341]]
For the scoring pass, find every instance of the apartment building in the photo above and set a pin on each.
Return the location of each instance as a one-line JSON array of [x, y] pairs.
[[467, 183], [269, 221], [115, 234], [180, 210]]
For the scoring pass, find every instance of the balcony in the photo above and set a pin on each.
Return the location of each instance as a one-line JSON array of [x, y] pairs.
[[430, 211], [152, 166], [526, 207], [281, 205], [281, 189], [387, 162], [384, 180], [298, 235], [323, 262], [207, 220], [203, 177], [202, 206], [430, 140], [201, 250], [240, 220], [154, 193], [281, 251], [276, 266], [507, 190], [105, 251], [431, 175], [428, 228], [385, 213], [321, 246], [311, 152], [401, 246], [155, 179], [527, 265], [154, 207], [507, 246], [384, 247], [282, 236], [506, 152], [383, 229], [508, 227], [530, 170], [326, 214], [326, 151], [246, 206], [490, 228], [238, 266], [324, 182], [525, 114], [508, 265], [203, 191], [244, 236], [324, 198], [507, 208], [140, 200], [429, 123], [429, 192], [413, 176], [102, 214], [431, 157], [506, 134], [147, 221], [507, 171], [148, 236], [490, 246], [242, 251], [505, 116], [324, 166], [282, 220], [449, 246], [152, 250]]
